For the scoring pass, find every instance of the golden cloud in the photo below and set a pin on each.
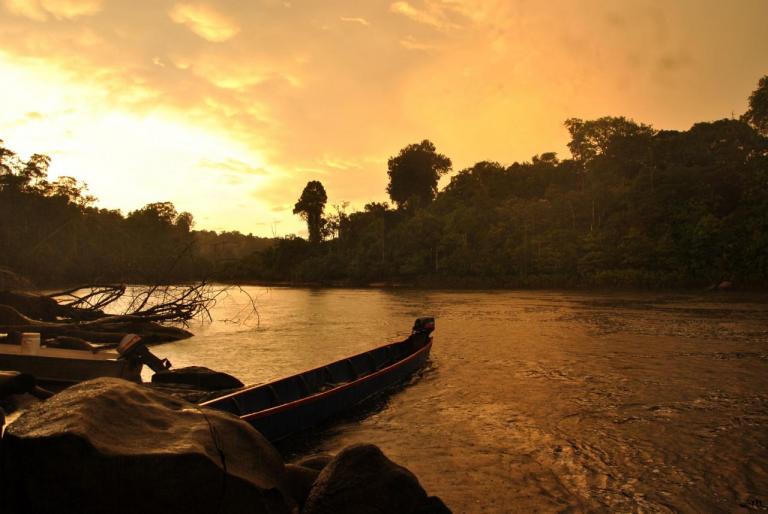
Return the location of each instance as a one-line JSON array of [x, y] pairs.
[[361, 21], [40, 10], [434, 14], [205, 21]]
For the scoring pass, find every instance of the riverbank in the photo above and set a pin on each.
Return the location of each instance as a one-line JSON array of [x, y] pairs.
[[727, 288]]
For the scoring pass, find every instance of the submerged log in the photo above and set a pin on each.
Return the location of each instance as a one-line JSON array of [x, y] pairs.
[[199, 377]]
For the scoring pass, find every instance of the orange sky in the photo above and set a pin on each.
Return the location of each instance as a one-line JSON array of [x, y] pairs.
[[227, 108]]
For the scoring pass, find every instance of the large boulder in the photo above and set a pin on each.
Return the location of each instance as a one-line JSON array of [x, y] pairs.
[[199, 377], [362, 480], [108, 445], [300, 480]]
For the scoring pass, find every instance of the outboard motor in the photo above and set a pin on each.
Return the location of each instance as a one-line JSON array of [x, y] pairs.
[[133, 349], [424, 325]]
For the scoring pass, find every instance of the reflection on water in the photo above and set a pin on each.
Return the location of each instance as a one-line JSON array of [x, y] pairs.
[[536, 401]]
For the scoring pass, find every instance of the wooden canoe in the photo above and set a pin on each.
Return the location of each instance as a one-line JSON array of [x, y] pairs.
[[289, 405]]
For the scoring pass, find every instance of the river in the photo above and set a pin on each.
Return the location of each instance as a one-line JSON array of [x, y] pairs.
[[534, 401]]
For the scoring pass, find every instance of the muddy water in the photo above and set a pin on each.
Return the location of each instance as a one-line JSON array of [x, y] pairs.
[[536, 402]]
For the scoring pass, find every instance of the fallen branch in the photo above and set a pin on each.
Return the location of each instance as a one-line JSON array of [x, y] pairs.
[[109, 330]]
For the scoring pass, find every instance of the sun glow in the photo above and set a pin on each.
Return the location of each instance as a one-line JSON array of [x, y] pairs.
[[229, 108], [129, 158]]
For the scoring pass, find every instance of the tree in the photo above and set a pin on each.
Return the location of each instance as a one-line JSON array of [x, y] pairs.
[[159, 213], [757, 114], [310, 207], [414, 173], [593, 137]]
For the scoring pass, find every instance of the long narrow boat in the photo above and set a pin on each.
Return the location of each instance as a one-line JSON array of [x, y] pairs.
[[284, 407]]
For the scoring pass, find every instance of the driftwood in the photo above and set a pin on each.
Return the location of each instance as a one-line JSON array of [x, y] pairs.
[[109, 329], [166, 304], [104, 313]]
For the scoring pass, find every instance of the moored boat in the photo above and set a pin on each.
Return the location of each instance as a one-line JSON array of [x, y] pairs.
[[289, 405], [57, 367]]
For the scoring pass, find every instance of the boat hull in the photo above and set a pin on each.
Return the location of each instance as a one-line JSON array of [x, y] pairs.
[[57, 368], [322, 403], [314, 410]]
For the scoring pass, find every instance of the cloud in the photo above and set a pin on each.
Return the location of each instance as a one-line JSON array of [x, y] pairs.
[[361, 21], [411, 43], [40, 10], [435, 14], [28, 8], [70, 9], [233, 165], [205, 21], [272, 91]]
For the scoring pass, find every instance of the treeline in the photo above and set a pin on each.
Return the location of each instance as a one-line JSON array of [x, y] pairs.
[[633, 207], [51, 233]]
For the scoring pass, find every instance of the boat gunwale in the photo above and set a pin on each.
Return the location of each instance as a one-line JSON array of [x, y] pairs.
[[319, 395]]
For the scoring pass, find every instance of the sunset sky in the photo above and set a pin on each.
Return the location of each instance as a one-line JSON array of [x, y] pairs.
[[227, 108]]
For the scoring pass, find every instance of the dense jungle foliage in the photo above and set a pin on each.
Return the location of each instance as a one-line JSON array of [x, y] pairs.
[[633, 207], [51, 233]]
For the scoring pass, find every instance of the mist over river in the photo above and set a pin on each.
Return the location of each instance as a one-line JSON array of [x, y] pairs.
[[534, 401]]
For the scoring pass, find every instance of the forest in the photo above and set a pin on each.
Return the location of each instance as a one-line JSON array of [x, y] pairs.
[[52, 234], [633, 206]]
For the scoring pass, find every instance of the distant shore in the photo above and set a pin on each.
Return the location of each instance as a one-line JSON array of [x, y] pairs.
[[464, 285]]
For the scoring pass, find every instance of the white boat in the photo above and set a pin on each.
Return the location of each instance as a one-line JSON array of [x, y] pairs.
[[59, 367]]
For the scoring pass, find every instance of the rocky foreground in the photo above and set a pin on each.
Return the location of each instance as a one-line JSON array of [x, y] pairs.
[[112, 446]]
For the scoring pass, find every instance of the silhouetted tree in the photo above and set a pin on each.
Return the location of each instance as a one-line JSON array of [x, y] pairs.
[[414, 173], [757, 114], [591, 138], [310, 207]]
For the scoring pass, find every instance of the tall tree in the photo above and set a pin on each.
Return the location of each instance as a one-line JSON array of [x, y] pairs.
[[591, 138], [757, 114], [413, 174], [310, 207]]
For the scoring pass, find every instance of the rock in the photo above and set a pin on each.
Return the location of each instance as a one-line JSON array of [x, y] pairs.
[[109, 445], [299, 481], [19, 390], [433, 505], [362, 480], [317, 462], [198, 377], [14, 382]]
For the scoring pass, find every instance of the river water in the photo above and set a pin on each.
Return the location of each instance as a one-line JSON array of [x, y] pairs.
[[534, 401]]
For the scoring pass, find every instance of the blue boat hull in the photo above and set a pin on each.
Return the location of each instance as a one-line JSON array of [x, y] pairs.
[[293, 404]]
